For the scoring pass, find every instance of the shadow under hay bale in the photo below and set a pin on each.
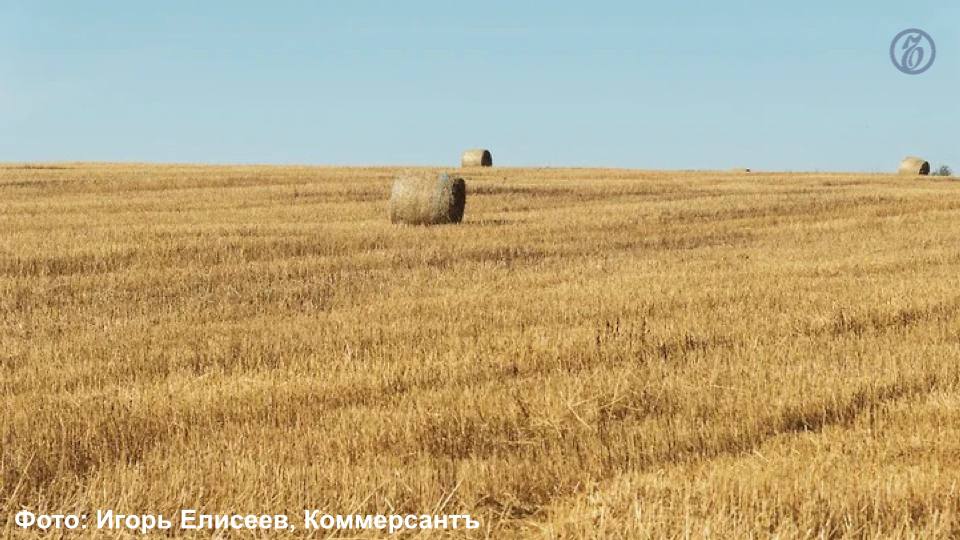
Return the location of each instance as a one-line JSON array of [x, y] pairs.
[[427, 199], [477, 157], [913, 166]]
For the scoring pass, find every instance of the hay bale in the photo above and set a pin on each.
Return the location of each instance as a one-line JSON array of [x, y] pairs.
[[740, 170], [477, 157], [426, 199], [913, 166]]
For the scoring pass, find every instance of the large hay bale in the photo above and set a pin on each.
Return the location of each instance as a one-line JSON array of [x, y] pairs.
[[740, 170], [913, 166], [427, 199], [477, 157]]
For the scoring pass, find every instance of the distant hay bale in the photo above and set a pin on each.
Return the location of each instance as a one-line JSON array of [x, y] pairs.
[[427, 199], [739, 170], [913, 166], [477, 157]]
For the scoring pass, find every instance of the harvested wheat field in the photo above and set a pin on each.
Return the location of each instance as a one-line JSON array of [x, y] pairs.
[[589, 354]]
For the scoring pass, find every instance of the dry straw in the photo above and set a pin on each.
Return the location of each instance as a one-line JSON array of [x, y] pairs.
[[427, 199], [914, 166], [477, 157]]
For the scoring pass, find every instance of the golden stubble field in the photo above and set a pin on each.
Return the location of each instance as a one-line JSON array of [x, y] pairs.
[[592, 353]]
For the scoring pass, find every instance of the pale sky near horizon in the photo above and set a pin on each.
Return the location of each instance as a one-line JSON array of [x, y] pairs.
[[666, 85]]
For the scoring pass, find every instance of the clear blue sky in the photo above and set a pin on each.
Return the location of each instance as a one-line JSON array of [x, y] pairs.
[[771, 85]]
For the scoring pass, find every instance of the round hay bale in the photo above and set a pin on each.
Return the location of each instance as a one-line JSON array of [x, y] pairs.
[[914, 166], [427, 199], [477, 157], [740, 170]]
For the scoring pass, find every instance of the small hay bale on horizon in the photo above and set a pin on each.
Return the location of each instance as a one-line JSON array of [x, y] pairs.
[[913, 166], [425, 199], [740, 170], [476, 157]]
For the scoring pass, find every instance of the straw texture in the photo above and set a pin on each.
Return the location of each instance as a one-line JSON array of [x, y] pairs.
[[914, 166], [476, 157], [427, 199]]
